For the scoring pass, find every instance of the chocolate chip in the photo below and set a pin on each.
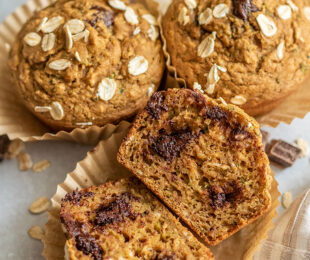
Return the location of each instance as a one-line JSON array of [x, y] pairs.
[[282, 152], [116, 211], [88, 245], [216, 113], [156, 105], [170, 145], [244, 8], [75, 196], [102, 15], [4, 144]]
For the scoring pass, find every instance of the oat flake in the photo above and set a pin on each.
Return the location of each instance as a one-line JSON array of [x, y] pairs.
[[266, 25], [280, 51], [43, 22], [36, 232], [284, 12], [222, 100], [206, 47], [183, 18], [238, 100], [130, 16], [75, 26], [41, 166], [150, 19], [14, 148], [138, 65], [77, 56], [61, 64], [220, 10], [82, 35], [40, 205], [197, 86], [152, 33], [117, 4], [24, 161], [84, 124], [137, 31], [287, 199], [205, 17], [191, 4], [292, 5], [106, 89], [57, 112], [307, 12], [42, 109], [48, 42], [52, 24], [32, 39], [150, 90], [69, 40]]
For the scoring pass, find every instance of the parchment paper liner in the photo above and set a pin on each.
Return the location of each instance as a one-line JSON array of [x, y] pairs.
[[100, 165], [15, 119], [296, 105]]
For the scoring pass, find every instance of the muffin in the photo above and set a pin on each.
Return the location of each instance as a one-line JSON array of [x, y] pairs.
[[87, 62], [251, 53], [203, 158], [123, 220]]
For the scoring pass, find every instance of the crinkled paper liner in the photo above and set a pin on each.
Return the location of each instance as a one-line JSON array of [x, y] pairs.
[[296, 105], [101, 165], [15, 120]]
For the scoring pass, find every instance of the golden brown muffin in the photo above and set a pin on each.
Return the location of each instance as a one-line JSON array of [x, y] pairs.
[[252, 53], [123, 220], [87, 62], [204, 159]]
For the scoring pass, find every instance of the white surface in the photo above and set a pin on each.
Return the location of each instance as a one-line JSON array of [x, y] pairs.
[[19, 189]]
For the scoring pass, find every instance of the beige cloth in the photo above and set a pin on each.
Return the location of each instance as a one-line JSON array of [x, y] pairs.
[[290, 239]]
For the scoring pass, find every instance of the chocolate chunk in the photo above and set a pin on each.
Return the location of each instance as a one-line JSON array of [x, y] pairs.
[[102, 15], [216, 113], [265, 137], [116, 211], [238, 134], [165, 256], [282, 152], [88, 245], [217, 196], [244, 8], [4, 144], [75, 196], [156, 105], [169, 146]]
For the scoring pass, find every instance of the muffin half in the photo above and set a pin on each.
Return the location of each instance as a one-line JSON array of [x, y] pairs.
[[87, 62]]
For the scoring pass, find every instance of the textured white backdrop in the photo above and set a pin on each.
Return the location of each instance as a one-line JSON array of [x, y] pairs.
[[19, 189]]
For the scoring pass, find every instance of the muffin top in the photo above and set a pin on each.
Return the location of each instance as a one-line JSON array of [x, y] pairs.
[[248, 52], [84, 62]]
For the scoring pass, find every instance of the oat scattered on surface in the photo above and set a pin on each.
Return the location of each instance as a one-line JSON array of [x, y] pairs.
[[32, 39], [52, 24], [238, 100], [24, 161], [220, 11], [42, 109], [206, 47], [280, 50], [150, 19], [138, 65], [130, 16], [303, 146], [266, 25], [57, 112], [36, 232], [191, 4], [48, 41], [40, 205], [117, 4], [75, 26], [61, 64], [284, 12], [106, 89], [287, 199], [15, 147], [41, 166], [205, 17]]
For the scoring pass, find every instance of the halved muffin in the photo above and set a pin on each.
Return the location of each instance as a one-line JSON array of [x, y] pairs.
[[203, 158]]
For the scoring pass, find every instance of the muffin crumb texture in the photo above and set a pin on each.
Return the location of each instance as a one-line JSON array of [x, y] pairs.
[[123, 220], [81, 63], [262, 46]]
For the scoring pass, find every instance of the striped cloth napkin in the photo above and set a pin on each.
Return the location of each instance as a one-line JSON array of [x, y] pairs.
[[290, 239]]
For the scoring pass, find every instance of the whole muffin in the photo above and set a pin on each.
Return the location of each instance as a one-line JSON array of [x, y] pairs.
[[251, 53], [87, 62]]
